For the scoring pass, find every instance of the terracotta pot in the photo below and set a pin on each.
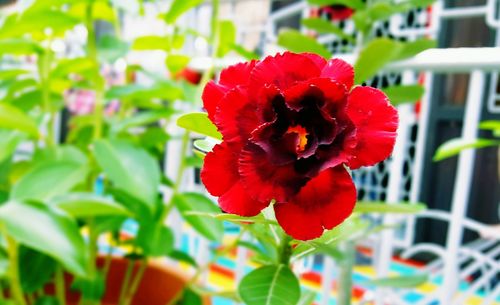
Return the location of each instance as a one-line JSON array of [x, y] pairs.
[[159, 284]]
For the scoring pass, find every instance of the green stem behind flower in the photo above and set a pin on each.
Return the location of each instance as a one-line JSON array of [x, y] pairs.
[[126, 282], [60, 286], [14, 277], [136, 282], [285, 250], [44, 63], [346, 265]]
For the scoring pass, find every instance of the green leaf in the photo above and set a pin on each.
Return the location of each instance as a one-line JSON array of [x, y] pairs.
[[270, 285], [233, 218], [35, 268], [381, 11], [190, 297], [404, 93], [355, 4], [412, 48], [307, 297], [183, 257], [140, 119], [45, 300], [13, 118], [248, 55], [198, 122], [101, 10], [12, 73], [9, 140], [384, 207], [194, 161], [160, 90], [106, 224], [210, 228], [137, 207], [147, 43], [374, 56], [130, 168], [493, 125], [81, 65], [321, 25], [37, 22], [298, 42], [44, 229], [178, 8], [85, 205], [205, 146], [177, 62], [410, 281], [19, 46], [227, 37], [453, 147], [27, 100], [48, 180], [155, 239], [110, 48], [91, 288], [61, 153]]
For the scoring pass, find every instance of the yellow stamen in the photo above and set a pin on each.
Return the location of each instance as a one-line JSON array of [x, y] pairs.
[[302, 133]]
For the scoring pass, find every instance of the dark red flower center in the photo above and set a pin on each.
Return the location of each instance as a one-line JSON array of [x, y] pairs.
[[303, 130]]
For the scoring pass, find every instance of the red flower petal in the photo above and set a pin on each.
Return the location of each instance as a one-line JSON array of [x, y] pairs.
[[318, 60], [283, 70], [212, 94], [230, 77], [219, 172], [236, 116], [237, 74], [325, 89], [339, 70], [238, 201], [323, 203], [376, 123], [268, 180]]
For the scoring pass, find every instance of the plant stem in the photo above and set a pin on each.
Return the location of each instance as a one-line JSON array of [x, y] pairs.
[[285, 250], [2, 295], [15, 283], [44, 62], [60, 286], [30, 297], [178, 179], [99, 86], [126, 282], [203, 268], [136, 282], [344, 293]]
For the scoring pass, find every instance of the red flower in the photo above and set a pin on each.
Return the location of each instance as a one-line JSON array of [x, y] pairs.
[[291, 123], [338, 12], [191, 76]]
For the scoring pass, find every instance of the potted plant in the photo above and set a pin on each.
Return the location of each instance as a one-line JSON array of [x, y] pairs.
[[65, 192]]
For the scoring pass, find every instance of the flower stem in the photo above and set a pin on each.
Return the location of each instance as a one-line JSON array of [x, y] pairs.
[[285, 250], [60, 286], [136, 282], [126, 282], [346, 265], [14, 277], [180, 174], [44, 62], [99, 85], [2, 295]]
